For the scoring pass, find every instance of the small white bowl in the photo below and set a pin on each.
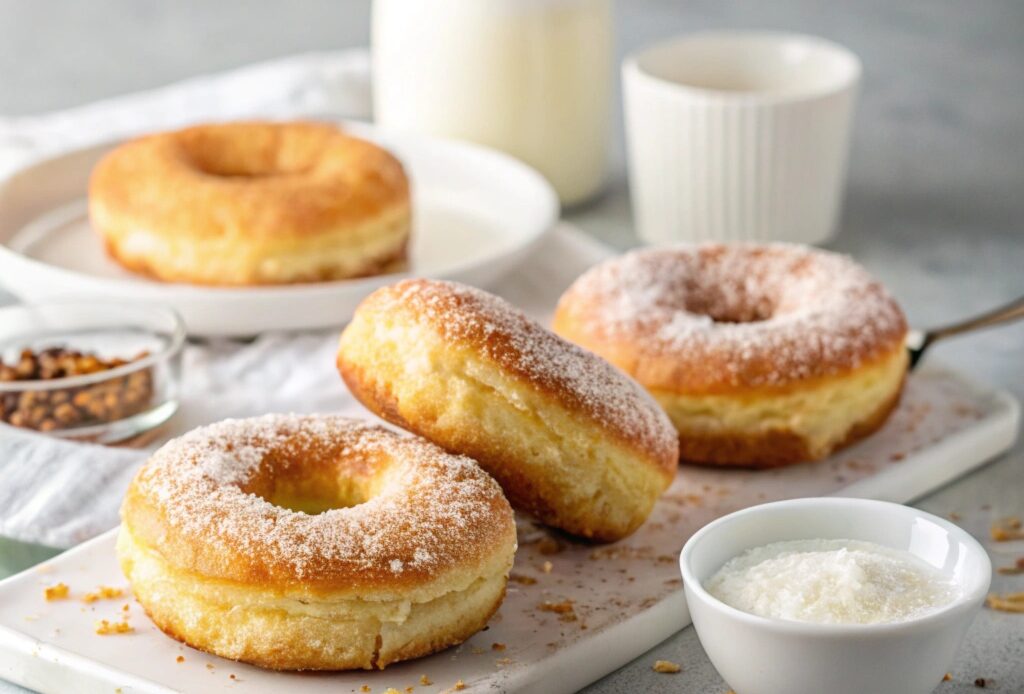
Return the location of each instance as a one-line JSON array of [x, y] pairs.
[[758, 655]]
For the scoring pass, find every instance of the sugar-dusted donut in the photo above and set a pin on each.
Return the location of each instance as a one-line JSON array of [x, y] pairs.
[[762, 355], [570, 438], [252, 203], [314, 542]]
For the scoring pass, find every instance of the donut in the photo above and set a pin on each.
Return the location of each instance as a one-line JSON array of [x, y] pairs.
[[762, 355], [570, 438], [252, 203], [314, 543]]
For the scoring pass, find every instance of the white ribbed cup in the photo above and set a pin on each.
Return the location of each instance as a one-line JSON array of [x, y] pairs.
[[739, 136]]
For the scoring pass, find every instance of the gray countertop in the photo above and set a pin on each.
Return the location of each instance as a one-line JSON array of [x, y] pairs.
[[935, 202]]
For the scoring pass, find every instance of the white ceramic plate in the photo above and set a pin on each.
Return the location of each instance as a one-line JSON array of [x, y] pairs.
[[477, 213]]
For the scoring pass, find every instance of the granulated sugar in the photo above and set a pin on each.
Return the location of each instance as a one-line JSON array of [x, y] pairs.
[[831, 582]]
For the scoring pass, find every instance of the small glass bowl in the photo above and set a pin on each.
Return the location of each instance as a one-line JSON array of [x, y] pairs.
[[105, 406]]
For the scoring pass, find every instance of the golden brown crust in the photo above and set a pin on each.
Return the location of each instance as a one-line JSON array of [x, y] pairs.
[[775, 448], [402, 548], [727, 319], [256, 202], [570, 439], [205, 501]]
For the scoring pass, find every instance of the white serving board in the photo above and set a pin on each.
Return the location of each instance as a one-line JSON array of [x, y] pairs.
[[477, 213], [626, 597]]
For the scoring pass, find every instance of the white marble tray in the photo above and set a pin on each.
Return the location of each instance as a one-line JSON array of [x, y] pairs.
[[625, 597]]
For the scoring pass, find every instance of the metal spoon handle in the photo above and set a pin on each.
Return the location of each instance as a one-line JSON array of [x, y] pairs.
[[1004, 314]]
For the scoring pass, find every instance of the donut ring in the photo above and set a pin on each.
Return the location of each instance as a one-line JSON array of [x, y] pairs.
[[762, 355], [252, 203], [571, 439], [396, 550]]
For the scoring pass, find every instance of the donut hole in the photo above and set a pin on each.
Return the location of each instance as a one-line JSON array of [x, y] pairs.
[[730, 303], [315, 491], [252, 150]]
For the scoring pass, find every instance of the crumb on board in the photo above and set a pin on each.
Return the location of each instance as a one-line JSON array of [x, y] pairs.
[[666, 666], [546, 567], [1010, 602], [459, 685], [106, 628], [425, 681], [503, 661], [1016, 568], [180, 659], [564, 609], [1006, 529], [232, 676], [954, 516], [522, 580], [125, 607], [365, 688], [947, 677], [409, 690], [103, 593], [391, 690], [209, 666], [57, 592], [496, 646], [981, 682]]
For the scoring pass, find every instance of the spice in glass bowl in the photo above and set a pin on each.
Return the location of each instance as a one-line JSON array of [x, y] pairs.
[[62, 408]]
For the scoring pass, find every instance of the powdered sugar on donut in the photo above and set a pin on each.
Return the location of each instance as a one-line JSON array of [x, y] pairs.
[[510, 338], [431, 510], [756, 315]]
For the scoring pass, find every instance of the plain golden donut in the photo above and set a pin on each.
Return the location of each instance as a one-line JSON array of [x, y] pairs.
[[314, 542], [252, 203], [762, 355], [570, 438]]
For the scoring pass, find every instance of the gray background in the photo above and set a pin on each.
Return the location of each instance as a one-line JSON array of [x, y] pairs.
[[935, 201]]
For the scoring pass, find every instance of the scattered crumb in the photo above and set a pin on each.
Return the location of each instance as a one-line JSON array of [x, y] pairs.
[[666, 666], [980, 683], [365, 688], [1006, 529], [209, 666], [947, 677], [460, 685], [954, 516], [546, 567], [476, 650], [57, 592], [180, 659], [105, 628], [497, 646], [391, 690], [559, 607], [522, 580], [1011, 602], [125, 607], [503, 661], [425, 681], [103, 593], [1017, 568], [409, 690], [232, 676]]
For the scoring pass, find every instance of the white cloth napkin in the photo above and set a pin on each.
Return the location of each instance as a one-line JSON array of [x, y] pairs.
[[60, 493]]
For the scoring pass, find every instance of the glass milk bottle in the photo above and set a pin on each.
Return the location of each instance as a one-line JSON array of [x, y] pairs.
[[529, 77]]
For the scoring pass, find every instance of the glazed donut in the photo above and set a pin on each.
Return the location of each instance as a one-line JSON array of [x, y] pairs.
[[571, 439], [762, 355], [252, 203], [314, 542]]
